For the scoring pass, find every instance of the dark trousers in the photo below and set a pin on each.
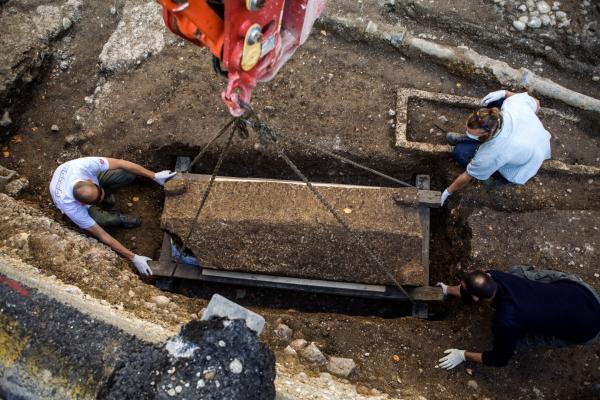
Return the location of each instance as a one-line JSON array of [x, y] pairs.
[[111, 181], [464, 151]]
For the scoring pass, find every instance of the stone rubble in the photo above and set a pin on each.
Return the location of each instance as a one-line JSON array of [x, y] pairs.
[[5, 122], [283, 332], [16, 187], [302, 387], [311, 353], [289, 351], [537, 15], [341, 366], [298, 344]]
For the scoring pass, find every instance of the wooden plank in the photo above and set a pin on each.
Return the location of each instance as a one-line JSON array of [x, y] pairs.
[[426, 293], [184, 271], [418, 197], [423, 183], [429, 198]]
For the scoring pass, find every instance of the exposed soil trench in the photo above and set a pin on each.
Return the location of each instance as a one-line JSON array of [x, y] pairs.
[[341, 96]]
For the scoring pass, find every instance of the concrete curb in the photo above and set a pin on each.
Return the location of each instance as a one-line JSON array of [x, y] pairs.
[[73, 297], [462, 60]]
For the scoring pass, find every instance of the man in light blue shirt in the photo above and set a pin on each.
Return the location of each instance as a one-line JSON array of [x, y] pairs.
[[511, 141]]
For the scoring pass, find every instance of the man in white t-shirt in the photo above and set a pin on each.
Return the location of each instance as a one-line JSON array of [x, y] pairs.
[[510, 141], [79, 187]]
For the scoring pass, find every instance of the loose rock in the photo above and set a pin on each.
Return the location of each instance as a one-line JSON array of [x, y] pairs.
[[290, 351], [472, 384], [371, 27], [66, 23], [543, 7], [519, 25], [283, 332], [298, 344], [341, 366], [545, 20], [5, 122], [534, 23], [16, 187], [313, 354], [236, 366], [561, 15], [360, 389], [160, 301], [54, 128]]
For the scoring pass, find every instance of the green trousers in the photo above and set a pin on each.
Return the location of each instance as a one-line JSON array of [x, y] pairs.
[[111, 181]]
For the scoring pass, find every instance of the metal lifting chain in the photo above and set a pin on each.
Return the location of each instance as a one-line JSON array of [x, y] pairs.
[[270, 136], [210, 142], [236, 126], [259, 126]]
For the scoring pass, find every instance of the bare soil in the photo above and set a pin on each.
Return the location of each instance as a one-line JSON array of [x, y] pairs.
[[338, 95]]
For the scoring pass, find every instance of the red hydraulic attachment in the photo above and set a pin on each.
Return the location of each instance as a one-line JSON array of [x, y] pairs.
[[252, 39]]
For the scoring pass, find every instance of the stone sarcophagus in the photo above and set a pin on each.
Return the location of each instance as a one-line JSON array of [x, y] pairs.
[[279, 228]]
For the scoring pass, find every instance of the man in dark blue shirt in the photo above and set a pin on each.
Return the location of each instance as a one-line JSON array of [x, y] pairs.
[[563, 311]]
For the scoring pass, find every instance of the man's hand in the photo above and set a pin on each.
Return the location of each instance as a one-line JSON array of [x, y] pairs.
[[454, 358], [444, 197], [444, 287], [493, 96], [141, 264], [163, 176]]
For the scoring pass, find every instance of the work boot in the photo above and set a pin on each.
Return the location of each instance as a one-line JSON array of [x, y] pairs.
[[129, 221], [454, 138], [109, 201]]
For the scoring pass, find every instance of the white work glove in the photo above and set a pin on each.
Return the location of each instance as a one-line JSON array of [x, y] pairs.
[[444, 287], [444, 197], [454, 358], [163, 176], [493, 96], [141, 264]]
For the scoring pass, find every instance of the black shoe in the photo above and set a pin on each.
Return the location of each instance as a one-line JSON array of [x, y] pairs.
[[129, 221], [454, 138], [108, 202]]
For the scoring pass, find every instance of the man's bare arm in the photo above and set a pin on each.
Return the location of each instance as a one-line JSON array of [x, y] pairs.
[[454, 291], [473, 357], [115, 163], [100, 234], [461, 181]]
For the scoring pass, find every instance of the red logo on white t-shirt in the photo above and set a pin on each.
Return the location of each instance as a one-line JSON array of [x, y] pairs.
[[101, 161]]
